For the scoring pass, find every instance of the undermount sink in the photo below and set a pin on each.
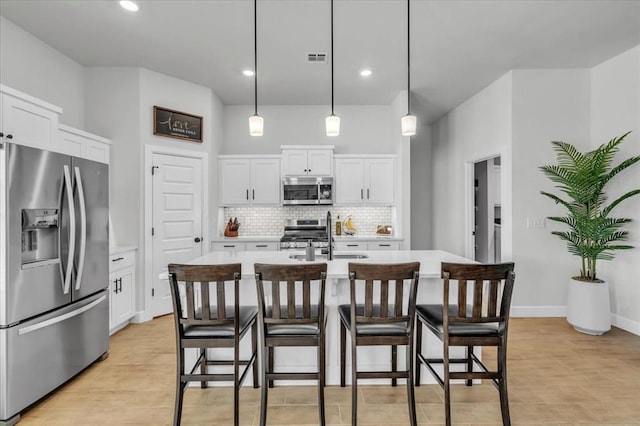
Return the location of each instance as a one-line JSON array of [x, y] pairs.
[[335, 256]]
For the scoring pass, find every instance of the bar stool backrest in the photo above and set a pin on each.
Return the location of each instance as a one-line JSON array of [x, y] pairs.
[[383, 296], [205, 294], [293, 300], [490, 286]]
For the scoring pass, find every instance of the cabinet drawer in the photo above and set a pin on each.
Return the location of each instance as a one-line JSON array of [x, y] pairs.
[[121, 260], [230, 246], [388, 245], [350, 245], [262, 246]]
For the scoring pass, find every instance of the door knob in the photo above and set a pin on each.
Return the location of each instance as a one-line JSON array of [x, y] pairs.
[[197, 239]]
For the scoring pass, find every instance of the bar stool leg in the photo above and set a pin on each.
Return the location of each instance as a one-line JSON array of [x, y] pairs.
[[265, 386], [418, 350], [469, 363], [236, 382], [447, 387], [203, 366], [504, 396], [354, 383], [271, 362], [254, 352], [179, 388], [394, 363], [343, 354], [410, 390], [321, 349]]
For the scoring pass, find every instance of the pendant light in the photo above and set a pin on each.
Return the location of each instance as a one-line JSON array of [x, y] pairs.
[[409, 120], [332, 122], [256, 123]]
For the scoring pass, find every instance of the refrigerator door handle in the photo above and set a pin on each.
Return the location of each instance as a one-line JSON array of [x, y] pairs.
[[72, 231], [83, 228], [61, 318]]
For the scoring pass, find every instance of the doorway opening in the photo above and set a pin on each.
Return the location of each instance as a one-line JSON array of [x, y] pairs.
[[487, 211]]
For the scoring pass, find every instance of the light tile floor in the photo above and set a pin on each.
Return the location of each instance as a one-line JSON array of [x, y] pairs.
[[556, 376]]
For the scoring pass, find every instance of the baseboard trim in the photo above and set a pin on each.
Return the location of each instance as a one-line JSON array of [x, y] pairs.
[[561, 311], [626, 324], [141, 316], [538, 311]]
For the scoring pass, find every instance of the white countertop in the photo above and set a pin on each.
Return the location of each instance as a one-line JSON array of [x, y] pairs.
[[372, 237], [429, 260], [247, 238]]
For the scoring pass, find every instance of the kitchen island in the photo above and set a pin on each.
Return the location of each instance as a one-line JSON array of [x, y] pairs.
[[337, 293]]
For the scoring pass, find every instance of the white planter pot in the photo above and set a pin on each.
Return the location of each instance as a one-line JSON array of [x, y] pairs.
[[588, 309]]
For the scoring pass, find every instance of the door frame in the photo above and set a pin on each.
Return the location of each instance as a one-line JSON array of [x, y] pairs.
[[146, 257], [505, 202]]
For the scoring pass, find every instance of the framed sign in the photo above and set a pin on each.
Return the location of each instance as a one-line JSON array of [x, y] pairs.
[[176, 124]]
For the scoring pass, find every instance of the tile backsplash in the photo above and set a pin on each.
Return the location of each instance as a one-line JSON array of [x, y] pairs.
[[263, 221]]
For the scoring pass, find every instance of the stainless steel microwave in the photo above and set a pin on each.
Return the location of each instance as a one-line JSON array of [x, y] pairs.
[[307, 190]]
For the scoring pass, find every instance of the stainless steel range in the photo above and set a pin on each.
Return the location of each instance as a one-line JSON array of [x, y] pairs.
[[298, 232]]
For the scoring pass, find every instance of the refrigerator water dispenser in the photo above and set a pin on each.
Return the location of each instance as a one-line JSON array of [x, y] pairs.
[[39, 235]]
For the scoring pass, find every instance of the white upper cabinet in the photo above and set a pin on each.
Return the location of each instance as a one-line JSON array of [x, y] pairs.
[[28, 121], [307, 160], [349, 182], [365, 181], [249, 181], [82, 144]]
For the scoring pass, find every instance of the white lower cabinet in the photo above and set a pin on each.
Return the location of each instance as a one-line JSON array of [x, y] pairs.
[[122, 279], [262, 246], [371, 245], [231, 246], [389, 245], [351, 245], [246, 246]]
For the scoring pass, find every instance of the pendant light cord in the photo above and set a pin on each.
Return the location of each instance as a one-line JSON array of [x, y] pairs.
[[408, 59], [332, 57], [255, 54]]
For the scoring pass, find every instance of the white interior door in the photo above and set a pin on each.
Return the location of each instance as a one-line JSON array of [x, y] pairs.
[[177, 220]]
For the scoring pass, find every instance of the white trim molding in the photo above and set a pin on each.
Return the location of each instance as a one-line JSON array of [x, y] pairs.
[[146, 255], [626, 324]]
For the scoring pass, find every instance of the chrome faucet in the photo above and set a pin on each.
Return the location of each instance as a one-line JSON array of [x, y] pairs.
[[329, 238]]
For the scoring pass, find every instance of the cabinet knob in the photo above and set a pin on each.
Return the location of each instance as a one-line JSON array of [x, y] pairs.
[[9, 136], [197, 239], [1, 135]]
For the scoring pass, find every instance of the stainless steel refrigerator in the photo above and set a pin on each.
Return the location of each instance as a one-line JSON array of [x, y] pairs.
[[54, 271]]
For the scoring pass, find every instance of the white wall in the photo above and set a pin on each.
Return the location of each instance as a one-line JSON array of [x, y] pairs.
[[112, 99], [478, 129], [547, 105], [35, 68], [364, 129], [615, 109], [120, 105]]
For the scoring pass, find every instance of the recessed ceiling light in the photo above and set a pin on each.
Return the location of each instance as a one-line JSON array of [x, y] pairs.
[[248, 73], [366, 73], [129, 5]]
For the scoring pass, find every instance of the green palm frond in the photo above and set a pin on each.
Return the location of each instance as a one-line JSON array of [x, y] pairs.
[[592, 234]]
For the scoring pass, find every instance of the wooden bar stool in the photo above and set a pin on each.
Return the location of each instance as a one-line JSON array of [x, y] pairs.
[[294, 315], [379, 316], [484, 322], [211, 323]]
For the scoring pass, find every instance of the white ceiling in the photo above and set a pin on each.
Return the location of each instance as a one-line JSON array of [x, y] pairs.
[[457, 47]]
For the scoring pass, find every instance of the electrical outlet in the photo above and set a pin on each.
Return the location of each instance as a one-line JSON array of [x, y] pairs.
[[536, 222]]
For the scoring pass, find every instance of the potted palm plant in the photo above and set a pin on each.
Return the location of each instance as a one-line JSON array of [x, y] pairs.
[[593, 234]]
